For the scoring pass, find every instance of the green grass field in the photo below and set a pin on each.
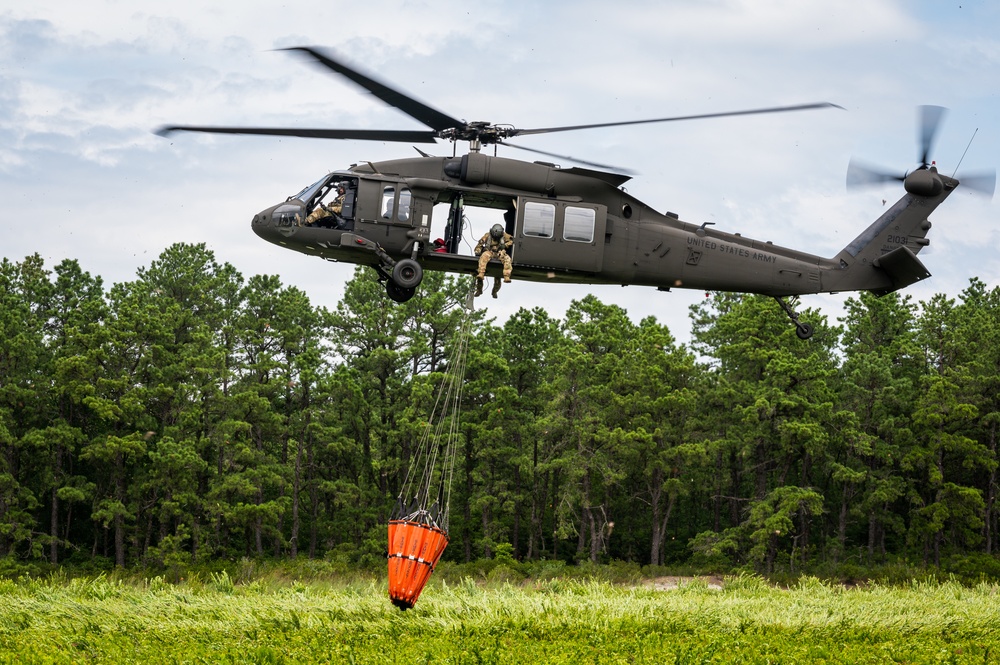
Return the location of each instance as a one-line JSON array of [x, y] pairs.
[[62, 620]]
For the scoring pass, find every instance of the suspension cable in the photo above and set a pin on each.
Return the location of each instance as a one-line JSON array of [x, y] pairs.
[[439, 440]]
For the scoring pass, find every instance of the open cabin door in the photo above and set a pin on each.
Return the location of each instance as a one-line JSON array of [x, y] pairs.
[[560, 235]]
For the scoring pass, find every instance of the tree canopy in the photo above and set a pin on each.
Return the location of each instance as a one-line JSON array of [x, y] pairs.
[[193, 414]]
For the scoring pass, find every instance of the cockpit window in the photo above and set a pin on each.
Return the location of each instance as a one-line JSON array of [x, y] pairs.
[[307, 193]]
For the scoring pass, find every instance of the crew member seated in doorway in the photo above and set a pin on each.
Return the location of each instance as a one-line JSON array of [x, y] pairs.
[[494, 244], [440, 246]]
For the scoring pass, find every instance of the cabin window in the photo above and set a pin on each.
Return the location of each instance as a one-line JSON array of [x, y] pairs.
[[404, 204], [579, 224], [388, 201], [539, 219]]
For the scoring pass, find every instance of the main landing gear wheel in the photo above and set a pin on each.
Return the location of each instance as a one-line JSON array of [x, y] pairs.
[[407, 274], [398, 293]]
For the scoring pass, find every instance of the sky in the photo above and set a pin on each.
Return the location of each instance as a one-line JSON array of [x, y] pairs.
[[83, 84]]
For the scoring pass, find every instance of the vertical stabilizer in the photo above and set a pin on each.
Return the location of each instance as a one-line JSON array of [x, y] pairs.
[[883, 258]]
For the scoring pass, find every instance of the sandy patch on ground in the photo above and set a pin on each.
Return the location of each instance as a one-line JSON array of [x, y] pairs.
[[672, 582]]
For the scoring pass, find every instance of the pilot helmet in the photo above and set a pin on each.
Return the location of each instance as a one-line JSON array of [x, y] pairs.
[[496, 232]]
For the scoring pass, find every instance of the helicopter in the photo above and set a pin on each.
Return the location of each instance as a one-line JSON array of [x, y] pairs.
[[574, 225]]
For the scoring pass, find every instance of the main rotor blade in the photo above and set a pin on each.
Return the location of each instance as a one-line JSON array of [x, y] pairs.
[[774, 109], [403, 136], [859, 175], [405, 103], [930, 120], [605, 167]]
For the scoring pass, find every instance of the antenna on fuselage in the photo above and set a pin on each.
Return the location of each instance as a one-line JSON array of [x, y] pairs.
[[966, 150]]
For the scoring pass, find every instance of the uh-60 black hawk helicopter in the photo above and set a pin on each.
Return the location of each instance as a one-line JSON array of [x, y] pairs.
[[573, 225]]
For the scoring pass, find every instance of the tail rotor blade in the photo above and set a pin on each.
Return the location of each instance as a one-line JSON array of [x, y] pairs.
[[981, 182], [862, 175], [930, 120]]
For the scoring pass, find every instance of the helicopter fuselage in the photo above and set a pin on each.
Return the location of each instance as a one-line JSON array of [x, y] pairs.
[[579, 226]]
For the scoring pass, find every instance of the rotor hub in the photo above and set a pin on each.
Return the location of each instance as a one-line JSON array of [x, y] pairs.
[[924, 182], [479, 132]]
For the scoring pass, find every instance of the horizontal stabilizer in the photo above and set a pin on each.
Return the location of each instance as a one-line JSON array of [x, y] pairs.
[[903, 268]]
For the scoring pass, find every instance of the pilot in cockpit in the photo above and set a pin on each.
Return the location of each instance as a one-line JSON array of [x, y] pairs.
[[322, 211]]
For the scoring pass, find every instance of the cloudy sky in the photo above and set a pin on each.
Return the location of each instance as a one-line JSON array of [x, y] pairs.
[[84, 83]]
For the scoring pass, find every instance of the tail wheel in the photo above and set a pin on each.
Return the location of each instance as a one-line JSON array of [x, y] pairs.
[[804, 330], [407, 274]]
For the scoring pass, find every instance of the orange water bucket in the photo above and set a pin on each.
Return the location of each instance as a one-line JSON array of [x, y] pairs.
[[414, 550]]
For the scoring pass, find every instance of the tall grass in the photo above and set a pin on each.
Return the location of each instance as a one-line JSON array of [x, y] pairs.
[[220, 619]]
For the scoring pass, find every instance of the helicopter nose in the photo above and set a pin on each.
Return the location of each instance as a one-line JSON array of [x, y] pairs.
[[278, 222], [261, 224]]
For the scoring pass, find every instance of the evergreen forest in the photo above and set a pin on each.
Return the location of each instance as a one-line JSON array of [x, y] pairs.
[[195, 414]]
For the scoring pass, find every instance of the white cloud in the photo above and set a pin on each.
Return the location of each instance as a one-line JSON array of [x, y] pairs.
[[735, 24]]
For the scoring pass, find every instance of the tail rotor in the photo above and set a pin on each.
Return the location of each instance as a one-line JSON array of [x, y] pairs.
[[860, 174]]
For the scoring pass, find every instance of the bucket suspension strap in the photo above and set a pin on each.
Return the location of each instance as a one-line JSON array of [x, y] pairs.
[[426, 491]]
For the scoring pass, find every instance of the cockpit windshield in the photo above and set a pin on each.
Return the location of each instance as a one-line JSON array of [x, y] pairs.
[[307, 193]]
